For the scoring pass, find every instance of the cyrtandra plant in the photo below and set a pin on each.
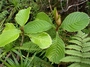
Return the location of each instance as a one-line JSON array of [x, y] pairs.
[[39, 29]]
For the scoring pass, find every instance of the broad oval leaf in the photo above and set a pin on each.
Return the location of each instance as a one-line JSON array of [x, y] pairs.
[[56, 51], [9, 34], [43, 40], [37, 26], [43, 16], [75, 21], [22, 16]]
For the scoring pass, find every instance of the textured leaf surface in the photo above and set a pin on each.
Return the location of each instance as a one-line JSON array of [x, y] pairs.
[[71, 59], [37, 26], [22, 16], [85, 61], [43, 16], [43, 40], [86, 55], [8, 35], [86, 49], [79, 65], [73, 52], [76, 42], [75, 65], [78, 51], [56, 51], [29, 46], [87, 44], [75, 21], [74, 47]]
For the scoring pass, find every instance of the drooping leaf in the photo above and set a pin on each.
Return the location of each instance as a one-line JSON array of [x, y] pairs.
[[43, 40], [56, 51], [43, 16], [8, 35], [37, 26], [22, 16], [75, 21]]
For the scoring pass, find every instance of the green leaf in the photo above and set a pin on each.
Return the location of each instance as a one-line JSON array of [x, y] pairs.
[[86, 49], [76, 47], [22, 16], [75, 65], [85, 60], [9, 26], [43, 16], [71, 59], [37, 26], [86, 55], [8, 35], [73, 52], [29, 46], [76, 42], [87, 44], [56, 51], [75, 21], [79, 65], [43, 40]]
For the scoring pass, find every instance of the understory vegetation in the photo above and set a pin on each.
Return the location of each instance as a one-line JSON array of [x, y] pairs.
[[44, 33]]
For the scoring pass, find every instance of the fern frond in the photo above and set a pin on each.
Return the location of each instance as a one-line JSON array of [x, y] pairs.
[[3, 14], [76, 47], [87, 44], [76, 42], [75, 65], [76, 38], [86, 39], [78, 51], [71, 59], [73, 52], [86, 49], [86, 55], [81, 35], [85, 61], [29, 46], [79, 65], [84, 36]]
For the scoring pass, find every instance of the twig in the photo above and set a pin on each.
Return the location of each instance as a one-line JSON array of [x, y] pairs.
[[50, 5], [61, 5], [74, 5]]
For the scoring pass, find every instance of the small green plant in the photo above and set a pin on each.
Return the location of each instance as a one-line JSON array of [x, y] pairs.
[[78, 51], [39, 31]]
